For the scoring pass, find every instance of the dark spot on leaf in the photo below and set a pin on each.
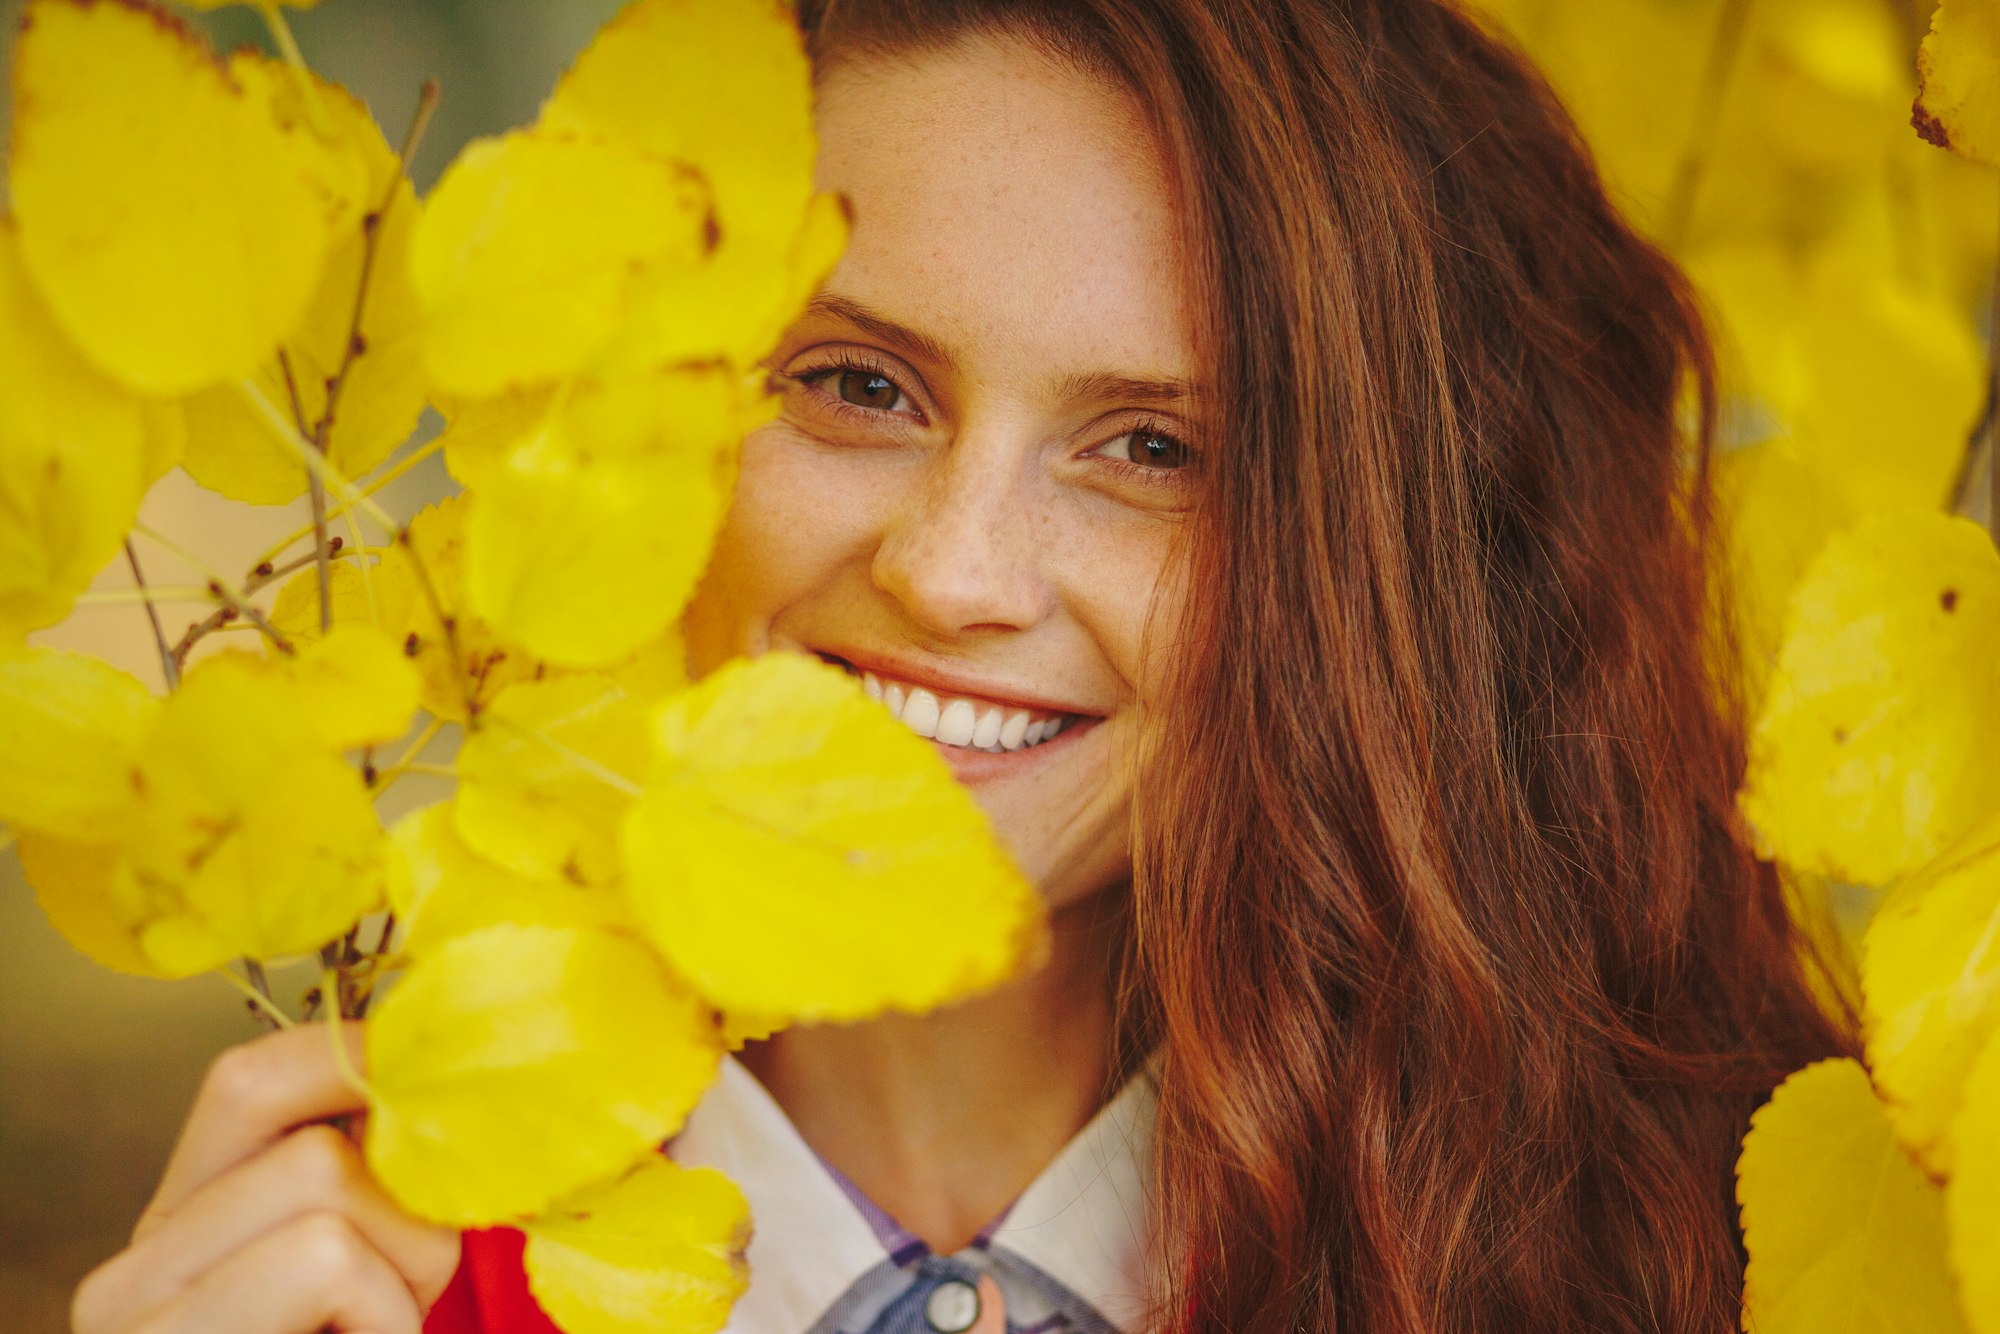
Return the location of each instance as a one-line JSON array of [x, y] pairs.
[[1840, 736], [359, 346], [368, 773], [711, 232], [1948, 599], [1928, 127], [412, 645]]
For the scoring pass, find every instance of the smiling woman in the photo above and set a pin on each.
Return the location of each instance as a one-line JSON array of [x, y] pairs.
[[1245, 441]]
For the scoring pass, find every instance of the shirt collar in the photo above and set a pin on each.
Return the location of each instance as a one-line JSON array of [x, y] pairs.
[[1083, 1221]]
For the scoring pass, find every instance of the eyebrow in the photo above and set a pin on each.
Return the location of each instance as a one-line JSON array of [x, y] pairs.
[[1098, 385]]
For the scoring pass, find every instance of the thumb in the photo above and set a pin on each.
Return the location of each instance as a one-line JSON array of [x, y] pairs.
[[992, 1309]]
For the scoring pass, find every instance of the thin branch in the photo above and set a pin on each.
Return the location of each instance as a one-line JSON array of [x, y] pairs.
[[446, 622], [220, 591], [260, 1004], [168, 666], [315, 465], [375, 483]]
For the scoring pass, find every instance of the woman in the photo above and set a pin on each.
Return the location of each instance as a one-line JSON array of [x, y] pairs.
[[1252, 420]]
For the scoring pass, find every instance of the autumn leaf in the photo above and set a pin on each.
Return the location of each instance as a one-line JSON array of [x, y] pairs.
[[798, 853], [515, 1065], [1958, 71], [1874, 745], [660, 1248], [1843, 1231]]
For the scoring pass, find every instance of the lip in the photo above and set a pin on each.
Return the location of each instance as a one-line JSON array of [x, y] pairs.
[[955, 683]]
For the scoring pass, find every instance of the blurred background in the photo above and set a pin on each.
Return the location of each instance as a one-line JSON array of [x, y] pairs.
[[97, 1069], [1847, 266]]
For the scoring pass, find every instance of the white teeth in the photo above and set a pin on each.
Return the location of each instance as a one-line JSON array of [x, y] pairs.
[[1014, 730], [987, 734], [957, 723], [920, 714]]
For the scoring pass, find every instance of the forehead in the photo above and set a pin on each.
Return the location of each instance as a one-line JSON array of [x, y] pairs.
[[1008, 205]]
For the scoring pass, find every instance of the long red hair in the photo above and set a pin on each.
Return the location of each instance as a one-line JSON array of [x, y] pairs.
[[1465, 980]]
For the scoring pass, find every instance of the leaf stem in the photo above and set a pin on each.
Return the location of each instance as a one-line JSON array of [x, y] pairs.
[[1725, 44], [288, 47]]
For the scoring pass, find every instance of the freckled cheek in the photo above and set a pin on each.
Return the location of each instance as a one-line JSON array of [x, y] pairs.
[[802, 514], [1125, 586]]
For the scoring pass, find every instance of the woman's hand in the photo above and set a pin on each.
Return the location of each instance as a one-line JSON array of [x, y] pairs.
[[267, 1221]]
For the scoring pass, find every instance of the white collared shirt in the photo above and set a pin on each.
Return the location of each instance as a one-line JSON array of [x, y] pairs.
[[1070, 1254]]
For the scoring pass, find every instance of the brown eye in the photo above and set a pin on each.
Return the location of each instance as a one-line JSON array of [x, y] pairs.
[[1158, 450], [866, 389]]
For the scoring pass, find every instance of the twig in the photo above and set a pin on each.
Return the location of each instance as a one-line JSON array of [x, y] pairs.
[[447, 622], [125, 597], [1724, 45], [410, 752], [374, 484], [168, 666], [261, 1004], [220, 591]]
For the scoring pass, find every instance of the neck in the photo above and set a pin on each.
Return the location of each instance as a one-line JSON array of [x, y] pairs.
[[943, 1119]]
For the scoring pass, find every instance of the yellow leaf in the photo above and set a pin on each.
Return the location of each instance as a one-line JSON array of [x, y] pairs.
[[533, 793], [73, 885], [231, 448], [441, 889], [661, 1248], [529, 249], [1931, 976], [71, 729], [581, 560], [1972, 1197], [254, 838], [1842, 1229], [1958, 70], [721, 85], [73, 461], [295, 611], [193, 242], [517, 1064], [356, 686], [651, 78], [1776, 514], [1873, 750], [1894, 381], [480, 432], [434, 562], [798, 853]]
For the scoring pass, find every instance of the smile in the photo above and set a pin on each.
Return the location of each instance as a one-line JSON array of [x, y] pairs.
[[960, 720]]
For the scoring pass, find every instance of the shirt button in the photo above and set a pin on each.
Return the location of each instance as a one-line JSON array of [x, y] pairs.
[[953, 1307]]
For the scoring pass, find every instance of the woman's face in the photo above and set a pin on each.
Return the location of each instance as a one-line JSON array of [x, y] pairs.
[[973, 491]]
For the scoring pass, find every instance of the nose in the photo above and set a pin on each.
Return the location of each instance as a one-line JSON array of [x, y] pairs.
[[965, 553]]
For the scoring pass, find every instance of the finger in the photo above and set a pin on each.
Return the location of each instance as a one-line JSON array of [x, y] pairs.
[[992, 1309], [253, 1094], [312, 1170], [316, 1272]]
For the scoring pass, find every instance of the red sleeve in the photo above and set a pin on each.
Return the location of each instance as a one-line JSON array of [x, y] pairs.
[[489, 1292]]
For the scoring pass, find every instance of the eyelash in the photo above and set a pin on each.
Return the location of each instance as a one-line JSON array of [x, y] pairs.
[[812, 378]]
